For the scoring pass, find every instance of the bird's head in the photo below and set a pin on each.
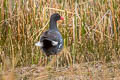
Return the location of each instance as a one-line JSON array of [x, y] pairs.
[[56, 17]]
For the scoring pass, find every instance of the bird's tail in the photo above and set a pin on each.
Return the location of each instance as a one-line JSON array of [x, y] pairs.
[[40, 44]]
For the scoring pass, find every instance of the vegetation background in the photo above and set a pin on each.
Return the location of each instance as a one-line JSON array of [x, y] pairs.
[[91, 32]]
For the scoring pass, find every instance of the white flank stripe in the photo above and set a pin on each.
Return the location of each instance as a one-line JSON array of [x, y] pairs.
[[54, 43]]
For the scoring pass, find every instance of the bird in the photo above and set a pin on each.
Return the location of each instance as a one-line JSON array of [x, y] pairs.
[[51, 41]]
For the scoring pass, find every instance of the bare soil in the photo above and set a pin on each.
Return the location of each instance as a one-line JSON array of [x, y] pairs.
[[82, 71]]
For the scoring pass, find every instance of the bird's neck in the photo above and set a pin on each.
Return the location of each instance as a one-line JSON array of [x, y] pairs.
[[53, 25]]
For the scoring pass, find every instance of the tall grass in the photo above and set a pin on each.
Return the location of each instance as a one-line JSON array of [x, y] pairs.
[[91, 31]]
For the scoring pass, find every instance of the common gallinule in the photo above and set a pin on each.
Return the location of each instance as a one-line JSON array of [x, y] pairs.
[[51, 41]]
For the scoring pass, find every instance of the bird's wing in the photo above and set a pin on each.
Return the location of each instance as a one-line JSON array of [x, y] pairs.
[[53, 36]]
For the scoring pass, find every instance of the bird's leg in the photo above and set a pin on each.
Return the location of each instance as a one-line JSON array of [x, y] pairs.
[[46, 60], [57, 60]]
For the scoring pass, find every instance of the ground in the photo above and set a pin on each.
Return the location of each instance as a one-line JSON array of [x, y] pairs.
[[82, 71]]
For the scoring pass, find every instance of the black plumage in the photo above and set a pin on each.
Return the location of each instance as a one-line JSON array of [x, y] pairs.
[[51, 41]]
